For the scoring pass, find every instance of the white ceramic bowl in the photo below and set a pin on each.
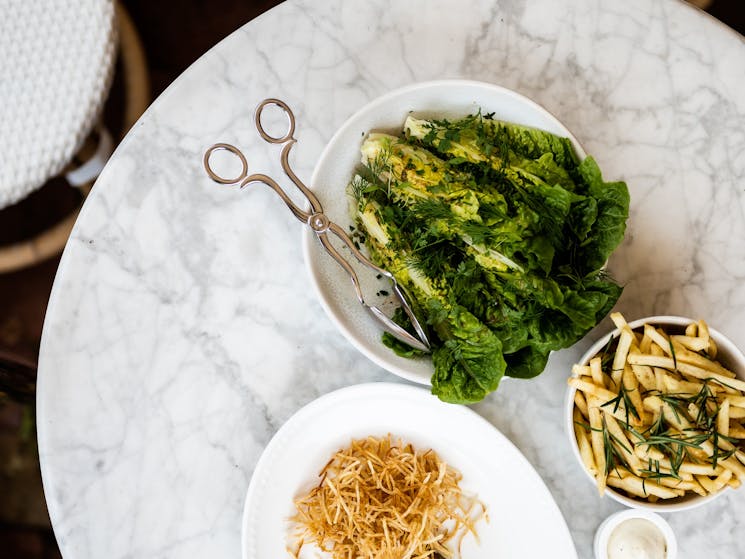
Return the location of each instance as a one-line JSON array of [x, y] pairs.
[[727, 353], [336, 166], [602, 535]]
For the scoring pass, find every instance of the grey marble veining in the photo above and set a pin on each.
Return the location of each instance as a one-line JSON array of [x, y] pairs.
[[183, 331]]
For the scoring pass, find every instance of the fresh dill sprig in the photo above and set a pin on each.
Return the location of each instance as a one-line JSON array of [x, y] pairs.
[[369, 178]]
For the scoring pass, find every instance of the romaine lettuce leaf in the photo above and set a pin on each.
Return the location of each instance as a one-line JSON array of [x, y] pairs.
[[609, 227], [470, 363]]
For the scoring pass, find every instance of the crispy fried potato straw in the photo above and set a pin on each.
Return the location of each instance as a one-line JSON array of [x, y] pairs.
[[382, 499]]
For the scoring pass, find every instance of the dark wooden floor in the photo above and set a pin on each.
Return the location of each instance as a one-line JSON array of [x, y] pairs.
[[174, 33]]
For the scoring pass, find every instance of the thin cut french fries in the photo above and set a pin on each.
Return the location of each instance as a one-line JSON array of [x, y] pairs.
[[707, 483], [691, 357], [658, 338], [645, 345], [591, 389], [619, 361], [703, 331], [700, 469], [723, 418], [687, 369], [737, 401], [631, 386], [646, 452], [636, 486], [736, 412], [671, 416], [624, 445], [722, 479], [685, 485], [645, 375], [736, 431], [596, 438], [596, 372], [619, 320], [691, 342], [583, 441], [580, 404]]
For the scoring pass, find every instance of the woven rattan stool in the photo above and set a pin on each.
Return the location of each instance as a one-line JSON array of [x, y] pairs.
[[49, 120]]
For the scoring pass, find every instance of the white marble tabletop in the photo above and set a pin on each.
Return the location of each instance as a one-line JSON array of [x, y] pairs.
[[182, 330]]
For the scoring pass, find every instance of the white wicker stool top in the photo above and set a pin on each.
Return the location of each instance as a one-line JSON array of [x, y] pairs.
[[56, 63]]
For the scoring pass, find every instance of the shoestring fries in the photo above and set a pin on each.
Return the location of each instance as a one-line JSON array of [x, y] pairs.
[[384, 499]]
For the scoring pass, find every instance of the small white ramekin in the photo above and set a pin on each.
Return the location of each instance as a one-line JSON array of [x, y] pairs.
[[602, 535]]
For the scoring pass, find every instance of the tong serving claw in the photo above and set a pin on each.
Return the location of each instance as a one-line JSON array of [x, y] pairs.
[[318, 222]]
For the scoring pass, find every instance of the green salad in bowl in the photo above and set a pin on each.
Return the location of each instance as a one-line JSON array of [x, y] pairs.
[[499, 235]]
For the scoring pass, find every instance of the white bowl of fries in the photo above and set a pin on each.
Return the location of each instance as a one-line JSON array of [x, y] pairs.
[[655, 413]]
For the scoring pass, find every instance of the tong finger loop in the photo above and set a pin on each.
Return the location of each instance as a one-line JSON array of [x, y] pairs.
[[219, 178], [290, 122]]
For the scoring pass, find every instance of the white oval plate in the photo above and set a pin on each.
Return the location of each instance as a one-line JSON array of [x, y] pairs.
[[335, 168], [524, 521]]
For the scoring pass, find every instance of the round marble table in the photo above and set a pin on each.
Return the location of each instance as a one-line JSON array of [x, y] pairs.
[[182, 330]]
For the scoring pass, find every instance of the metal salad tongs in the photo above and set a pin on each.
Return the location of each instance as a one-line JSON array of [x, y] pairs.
[[319, 222]]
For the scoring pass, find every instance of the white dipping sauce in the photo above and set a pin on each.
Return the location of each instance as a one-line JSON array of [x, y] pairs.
[[637, 538]]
